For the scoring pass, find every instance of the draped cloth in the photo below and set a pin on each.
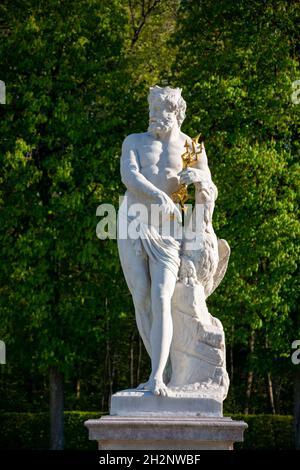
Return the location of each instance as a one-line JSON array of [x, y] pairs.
[[148, 242], [161, 249]]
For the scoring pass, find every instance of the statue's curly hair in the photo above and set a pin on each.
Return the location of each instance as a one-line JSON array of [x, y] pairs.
[[173, 97]]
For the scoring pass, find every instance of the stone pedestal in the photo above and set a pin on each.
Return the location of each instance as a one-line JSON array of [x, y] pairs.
[[141, 421], [134, 402], [167, 433]]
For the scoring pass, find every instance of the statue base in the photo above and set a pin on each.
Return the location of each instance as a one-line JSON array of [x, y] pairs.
[[183, 421], [165, 433], [134, 402]]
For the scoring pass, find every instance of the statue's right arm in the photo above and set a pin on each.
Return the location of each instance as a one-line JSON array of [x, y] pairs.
[[131, 176]]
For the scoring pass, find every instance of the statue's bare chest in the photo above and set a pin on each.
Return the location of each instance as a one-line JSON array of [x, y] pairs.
[[160, 156]]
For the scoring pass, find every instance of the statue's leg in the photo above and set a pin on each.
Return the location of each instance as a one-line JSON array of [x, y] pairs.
[[136, 272], [162, 288]]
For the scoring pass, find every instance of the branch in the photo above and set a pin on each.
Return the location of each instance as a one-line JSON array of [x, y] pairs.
[[143, 8], [132, 14], [145, 13]]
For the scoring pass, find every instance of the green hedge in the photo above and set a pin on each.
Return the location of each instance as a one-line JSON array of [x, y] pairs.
[[270, 432], [31, 431]]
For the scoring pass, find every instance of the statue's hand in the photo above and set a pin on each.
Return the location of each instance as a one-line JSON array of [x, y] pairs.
[[168, 207], [193, 175]]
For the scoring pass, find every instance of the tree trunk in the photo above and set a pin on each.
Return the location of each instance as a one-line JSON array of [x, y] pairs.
[[297, 408], [138, 368], [271, 394], [78, 389], [250, 373], [109, 370], [132, 360], [109, 367], [56, 383], [231, 362], [248, 391], [231, 354]]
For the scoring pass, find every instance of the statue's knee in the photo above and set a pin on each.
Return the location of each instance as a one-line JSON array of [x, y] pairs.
[[161, 295]]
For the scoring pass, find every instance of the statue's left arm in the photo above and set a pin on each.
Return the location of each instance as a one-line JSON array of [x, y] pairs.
[[205, 194], [200, 175]]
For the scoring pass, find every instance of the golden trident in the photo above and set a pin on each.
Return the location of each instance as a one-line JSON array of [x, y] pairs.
[[189, 158]]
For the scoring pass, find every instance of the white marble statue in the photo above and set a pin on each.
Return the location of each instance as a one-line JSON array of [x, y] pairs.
[[169, 276]]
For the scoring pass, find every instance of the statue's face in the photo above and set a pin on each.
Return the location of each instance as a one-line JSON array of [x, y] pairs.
[[162, 115]]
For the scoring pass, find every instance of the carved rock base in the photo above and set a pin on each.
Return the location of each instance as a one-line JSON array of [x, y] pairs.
[[167, 433]]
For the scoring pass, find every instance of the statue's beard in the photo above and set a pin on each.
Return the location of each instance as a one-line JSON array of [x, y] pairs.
[[160, 126]]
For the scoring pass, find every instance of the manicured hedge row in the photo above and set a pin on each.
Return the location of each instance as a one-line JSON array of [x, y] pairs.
[[272, 432], [31, 431]]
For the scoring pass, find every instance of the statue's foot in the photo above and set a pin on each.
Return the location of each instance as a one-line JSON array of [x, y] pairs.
[[143, 386], [157, 387]]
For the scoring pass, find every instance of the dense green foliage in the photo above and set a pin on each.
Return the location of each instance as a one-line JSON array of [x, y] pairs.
[[63, 130], [77, 75], [237, 62], [31, 431], [268, 432]]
